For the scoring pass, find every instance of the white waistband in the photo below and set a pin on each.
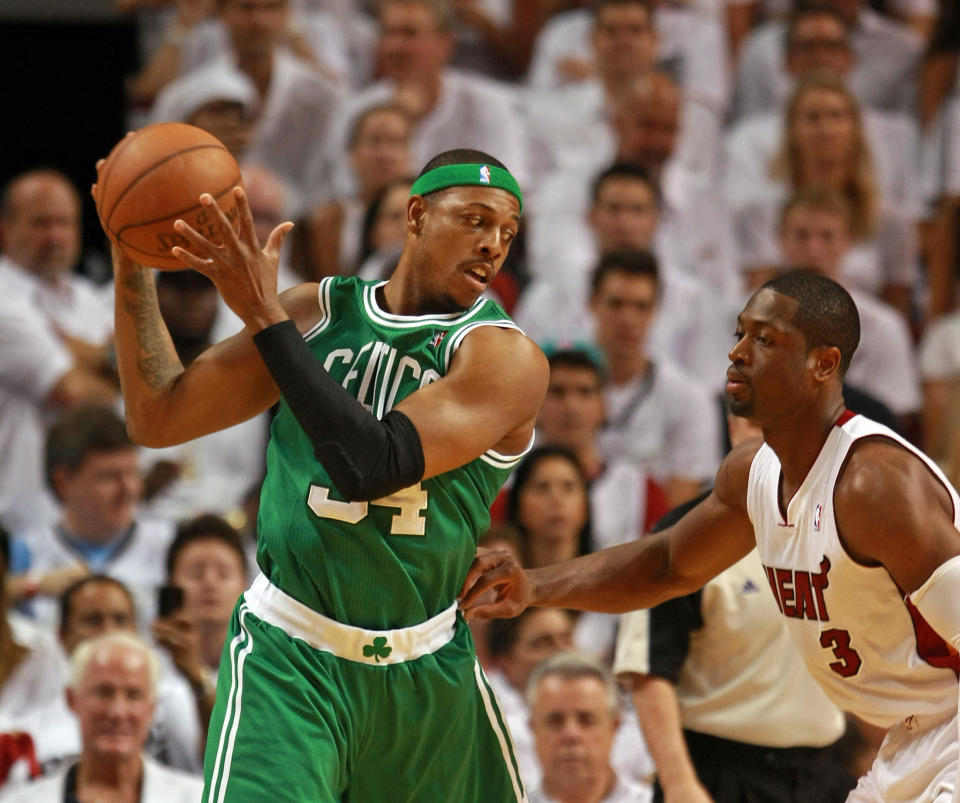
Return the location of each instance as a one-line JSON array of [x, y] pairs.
[[377, 647]]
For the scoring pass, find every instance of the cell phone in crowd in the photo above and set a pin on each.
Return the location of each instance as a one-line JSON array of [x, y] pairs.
[[169, 600]]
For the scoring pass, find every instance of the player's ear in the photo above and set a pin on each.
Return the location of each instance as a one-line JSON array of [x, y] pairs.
[[826, 362], [416, 209]]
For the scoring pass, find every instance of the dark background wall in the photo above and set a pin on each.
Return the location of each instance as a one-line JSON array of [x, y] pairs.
[[62, 102]]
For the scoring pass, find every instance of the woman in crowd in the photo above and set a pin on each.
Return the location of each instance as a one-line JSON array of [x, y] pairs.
[[549, 505]]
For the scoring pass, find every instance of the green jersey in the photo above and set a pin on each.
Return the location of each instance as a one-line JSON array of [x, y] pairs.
[[391, 562]]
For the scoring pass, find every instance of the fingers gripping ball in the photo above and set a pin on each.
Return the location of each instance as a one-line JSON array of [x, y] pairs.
[[155, 176]]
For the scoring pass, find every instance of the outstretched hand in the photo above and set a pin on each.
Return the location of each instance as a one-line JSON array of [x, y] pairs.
[[498, 572], [245, 274]]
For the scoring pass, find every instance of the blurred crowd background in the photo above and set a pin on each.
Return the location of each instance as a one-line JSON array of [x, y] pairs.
[[673, 156]]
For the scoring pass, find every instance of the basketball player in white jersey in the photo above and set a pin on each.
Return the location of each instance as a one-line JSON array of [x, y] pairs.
[[857, 531]]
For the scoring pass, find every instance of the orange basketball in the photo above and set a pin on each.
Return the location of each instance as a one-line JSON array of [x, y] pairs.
[[155, 176]]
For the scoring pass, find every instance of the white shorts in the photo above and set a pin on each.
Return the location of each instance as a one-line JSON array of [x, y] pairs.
[[917, 763]]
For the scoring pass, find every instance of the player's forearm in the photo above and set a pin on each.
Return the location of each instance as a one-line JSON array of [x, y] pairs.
[[615, 580], [147, 361], [658, 711]]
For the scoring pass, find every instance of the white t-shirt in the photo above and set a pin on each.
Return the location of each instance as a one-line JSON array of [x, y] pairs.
[[621, 792], [138, 561], [940, 349], [160, 785], [886, 58], [884, 364], [471, 112], [667, 423]]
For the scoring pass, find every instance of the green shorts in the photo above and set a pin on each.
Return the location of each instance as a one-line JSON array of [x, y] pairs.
[[296, 723]]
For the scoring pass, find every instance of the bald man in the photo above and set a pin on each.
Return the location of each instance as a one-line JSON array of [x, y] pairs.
[[54, 334]]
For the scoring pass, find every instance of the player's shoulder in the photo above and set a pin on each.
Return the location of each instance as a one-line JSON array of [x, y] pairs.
[[733, 476], [302, 304], [504, 340], [882, 483]]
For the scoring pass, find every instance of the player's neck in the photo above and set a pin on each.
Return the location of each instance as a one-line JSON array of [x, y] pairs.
[[798, 443]]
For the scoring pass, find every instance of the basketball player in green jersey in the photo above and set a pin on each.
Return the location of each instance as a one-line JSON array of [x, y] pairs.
[[348, 674]]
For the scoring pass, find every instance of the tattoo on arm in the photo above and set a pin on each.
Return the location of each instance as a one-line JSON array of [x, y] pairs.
[[157, 360]]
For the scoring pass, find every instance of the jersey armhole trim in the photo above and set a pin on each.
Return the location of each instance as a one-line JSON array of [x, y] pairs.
[[323, 302], [454, 343], [498, 460]]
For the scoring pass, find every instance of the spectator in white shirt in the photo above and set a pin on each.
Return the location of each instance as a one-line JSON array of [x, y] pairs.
[[657, 416], [815, 234], [113, 691], [824, 144], [887, 55], [574, 716], [450, 108], [55, 333]]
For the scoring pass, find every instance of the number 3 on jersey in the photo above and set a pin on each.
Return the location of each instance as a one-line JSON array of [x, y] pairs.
[[410, 502]]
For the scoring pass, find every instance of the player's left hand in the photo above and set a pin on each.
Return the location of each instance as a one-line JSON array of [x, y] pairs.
[[500, 571], [245, 274]]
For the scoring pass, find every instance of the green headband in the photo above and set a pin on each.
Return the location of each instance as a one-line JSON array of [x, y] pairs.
[[461, 175]]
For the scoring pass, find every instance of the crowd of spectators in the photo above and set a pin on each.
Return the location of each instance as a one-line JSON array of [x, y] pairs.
[[673, 154]]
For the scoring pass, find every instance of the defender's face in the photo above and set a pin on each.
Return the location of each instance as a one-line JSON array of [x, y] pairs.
[[461, 237], [770, 372]]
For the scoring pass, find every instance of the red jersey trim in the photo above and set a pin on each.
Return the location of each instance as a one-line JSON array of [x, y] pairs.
[[930, 646], [845, 416]]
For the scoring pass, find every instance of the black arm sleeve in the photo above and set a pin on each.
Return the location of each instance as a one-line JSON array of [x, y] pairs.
[[366, 458]]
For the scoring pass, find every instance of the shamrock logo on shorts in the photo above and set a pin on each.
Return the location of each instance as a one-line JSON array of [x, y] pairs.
[[378, 649]]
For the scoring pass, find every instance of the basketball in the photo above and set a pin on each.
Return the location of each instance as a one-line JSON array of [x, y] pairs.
[[154, 177]]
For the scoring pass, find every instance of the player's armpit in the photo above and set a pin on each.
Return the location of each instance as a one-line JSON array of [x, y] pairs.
[[489, 399], [891, 509]]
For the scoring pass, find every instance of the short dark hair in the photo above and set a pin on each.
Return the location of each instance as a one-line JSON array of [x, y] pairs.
[[626, 170], [635, 262], [205, 527], [461, 156], [80, 432], [599, 5], [66, 597], [576, 358], [522, 475], [806, 10], [358, 122], [826, 314]]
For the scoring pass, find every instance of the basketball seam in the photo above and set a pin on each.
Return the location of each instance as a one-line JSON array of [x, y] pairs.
[[178, 213], [153, 167]]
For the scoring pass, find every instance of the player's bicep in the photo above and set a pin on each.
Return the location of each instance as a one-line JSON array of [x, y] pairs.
[[490, 395], [893, 510], [228, 383], [718, 532]]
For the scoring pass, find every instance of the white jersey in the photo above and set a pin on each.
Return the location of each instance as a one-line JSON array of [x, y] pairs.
[[859, 636]]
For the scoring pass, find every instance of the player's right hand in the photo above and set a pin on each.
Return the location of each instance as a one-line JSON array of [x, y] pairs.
[[499, 572]]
